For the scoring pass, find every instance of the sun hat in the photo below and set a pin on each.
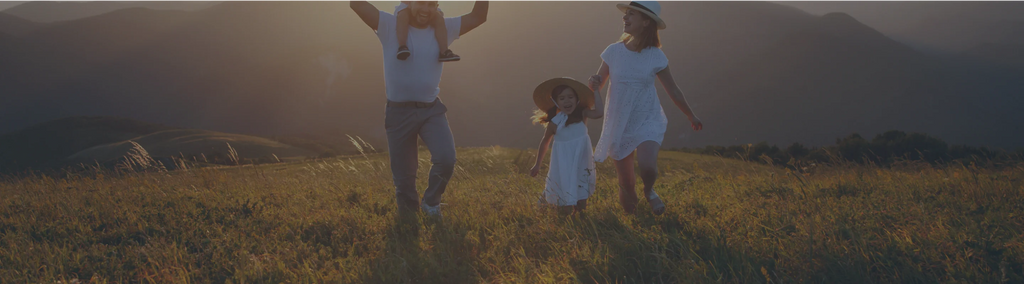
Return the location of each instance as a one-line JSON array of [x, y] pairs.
[[542, 94], [651, 8]]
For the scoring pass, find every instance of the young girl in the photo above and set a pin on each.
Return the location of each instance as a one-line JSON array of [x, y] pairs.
[[636, 122], [563, 106], [440, 33]]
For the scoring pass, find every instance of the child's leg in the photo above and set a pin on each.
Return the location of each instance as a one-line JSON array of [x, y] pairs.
[[403, 33], [441, 34], [403, 26], [580, 206], [440, 31], [565, 210]]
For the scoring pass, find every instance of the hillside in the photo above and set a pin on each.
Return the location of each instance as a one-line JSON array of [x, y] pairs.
[[191, 143], [334, 220], [48, 144], [57, 11], [13, 25], [1006, 55], [105, 140], [46, 11]]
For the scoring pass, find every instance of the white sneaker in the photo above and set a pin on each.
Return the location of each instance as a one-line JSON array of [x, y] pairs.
[[432, 211]]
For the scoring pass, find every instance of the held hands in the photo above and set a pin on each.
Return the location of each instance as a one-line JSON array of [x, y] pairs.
[[535, 170], [595, 82]]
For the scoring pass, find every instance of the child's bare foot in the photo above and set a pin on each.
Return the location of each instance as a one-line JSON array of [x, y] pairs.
[[403, 52], [448, 56]]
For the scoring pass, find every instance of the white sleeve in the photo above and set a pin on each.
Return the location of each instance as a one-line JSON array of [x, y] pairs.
[[606, 55], [454, 26], [385, 27], [660, 60]]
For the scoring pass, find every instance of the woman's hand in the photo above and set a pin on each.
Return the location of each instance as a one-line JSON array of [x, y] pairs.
[[535, 170], [696, 124], [595, 82]]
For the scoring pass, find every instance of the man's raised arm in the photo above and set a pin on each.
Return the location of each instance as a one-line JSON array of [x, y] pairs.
[[475, 18], [369, 14]]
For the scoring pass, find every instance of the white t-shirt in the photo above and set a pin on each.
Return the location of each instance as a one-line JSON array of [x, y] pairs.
[[415, 79]]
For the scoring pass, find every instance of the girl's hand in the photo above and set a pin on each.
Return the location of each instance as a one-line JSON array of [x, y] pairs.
[[696, 124], [535, 170], [595, 82]]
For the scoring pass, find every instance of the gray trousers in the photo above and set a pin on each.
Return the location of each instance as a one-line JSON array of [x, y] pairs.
[[403, 125]]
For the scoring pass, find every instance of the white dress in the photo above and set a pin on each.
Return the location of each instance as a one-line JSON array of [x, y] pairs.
[[571, 174], [633, 113]]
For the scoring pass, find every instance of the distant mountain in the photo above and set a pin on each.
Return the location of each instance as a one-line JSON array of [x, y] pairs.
[[173, 4], [953, 35], [1010, 55], [47, 11], [754, 71], [48, 144], [13, 25], [934, 26], [54, 11]]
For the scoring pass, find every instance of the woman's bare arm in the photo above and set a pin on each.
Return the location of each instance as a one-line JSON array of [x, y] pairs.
[[665, 76]]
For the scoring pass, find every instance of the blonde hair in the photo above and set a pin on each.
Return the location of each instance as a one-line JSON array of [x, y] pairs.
[[648, 37]]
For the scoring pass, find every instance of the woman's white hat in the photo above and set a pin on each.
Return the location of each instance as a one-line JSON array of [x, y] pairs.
[[651, 8]]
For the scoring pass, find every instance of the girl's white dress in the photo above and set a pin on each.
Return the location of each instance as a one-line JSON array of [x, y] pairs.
[[633, 113], [571, 174]]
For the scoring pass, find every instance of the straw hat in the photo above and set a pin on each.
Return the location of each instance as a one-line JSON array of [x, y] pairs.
[[542, 94], [651, 8]]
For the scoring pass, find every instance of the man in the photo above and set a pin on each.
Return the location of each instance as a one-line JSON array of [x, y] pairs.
[[413, 108]]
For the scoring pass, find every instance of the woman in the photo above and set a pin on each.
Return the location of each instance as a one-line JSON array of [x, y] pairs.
[[635, 124]]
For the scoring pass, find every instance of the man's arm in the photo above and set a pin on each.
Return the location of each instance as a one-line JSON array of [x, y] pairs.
[[367, 12], [475, 18]]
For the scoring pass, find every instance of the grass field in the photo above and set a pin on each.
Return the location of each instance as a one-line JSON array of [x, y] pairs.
[[335, 221]]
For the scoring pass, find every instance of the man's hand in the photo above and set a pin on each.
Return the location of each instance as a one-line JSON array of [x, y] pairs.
[[535, 170]]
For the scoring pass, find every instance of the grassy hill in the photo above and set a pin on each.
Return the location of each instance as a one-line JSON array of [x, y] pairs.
[[48, 144], [334, 220], [71, 141], [192, 142], [10, 24]]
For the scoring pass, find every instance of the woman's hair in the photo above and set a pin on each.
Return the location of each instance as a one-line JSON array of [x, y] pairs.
[[544, 116], [647, 38]]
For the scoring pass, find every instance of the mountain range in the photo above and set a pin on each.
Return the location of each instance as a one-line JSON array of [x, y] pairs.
[[933, 26], [753, 71], [13, 25], [56, 11]]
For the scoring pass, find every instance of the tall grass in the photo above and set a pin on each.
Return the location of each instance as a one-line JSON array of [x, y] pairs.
[[334, 220]]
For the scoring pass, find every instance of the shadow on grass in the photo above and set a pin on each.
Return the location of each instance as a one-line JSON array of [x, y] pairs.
[[666, 249], [420, 249]]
